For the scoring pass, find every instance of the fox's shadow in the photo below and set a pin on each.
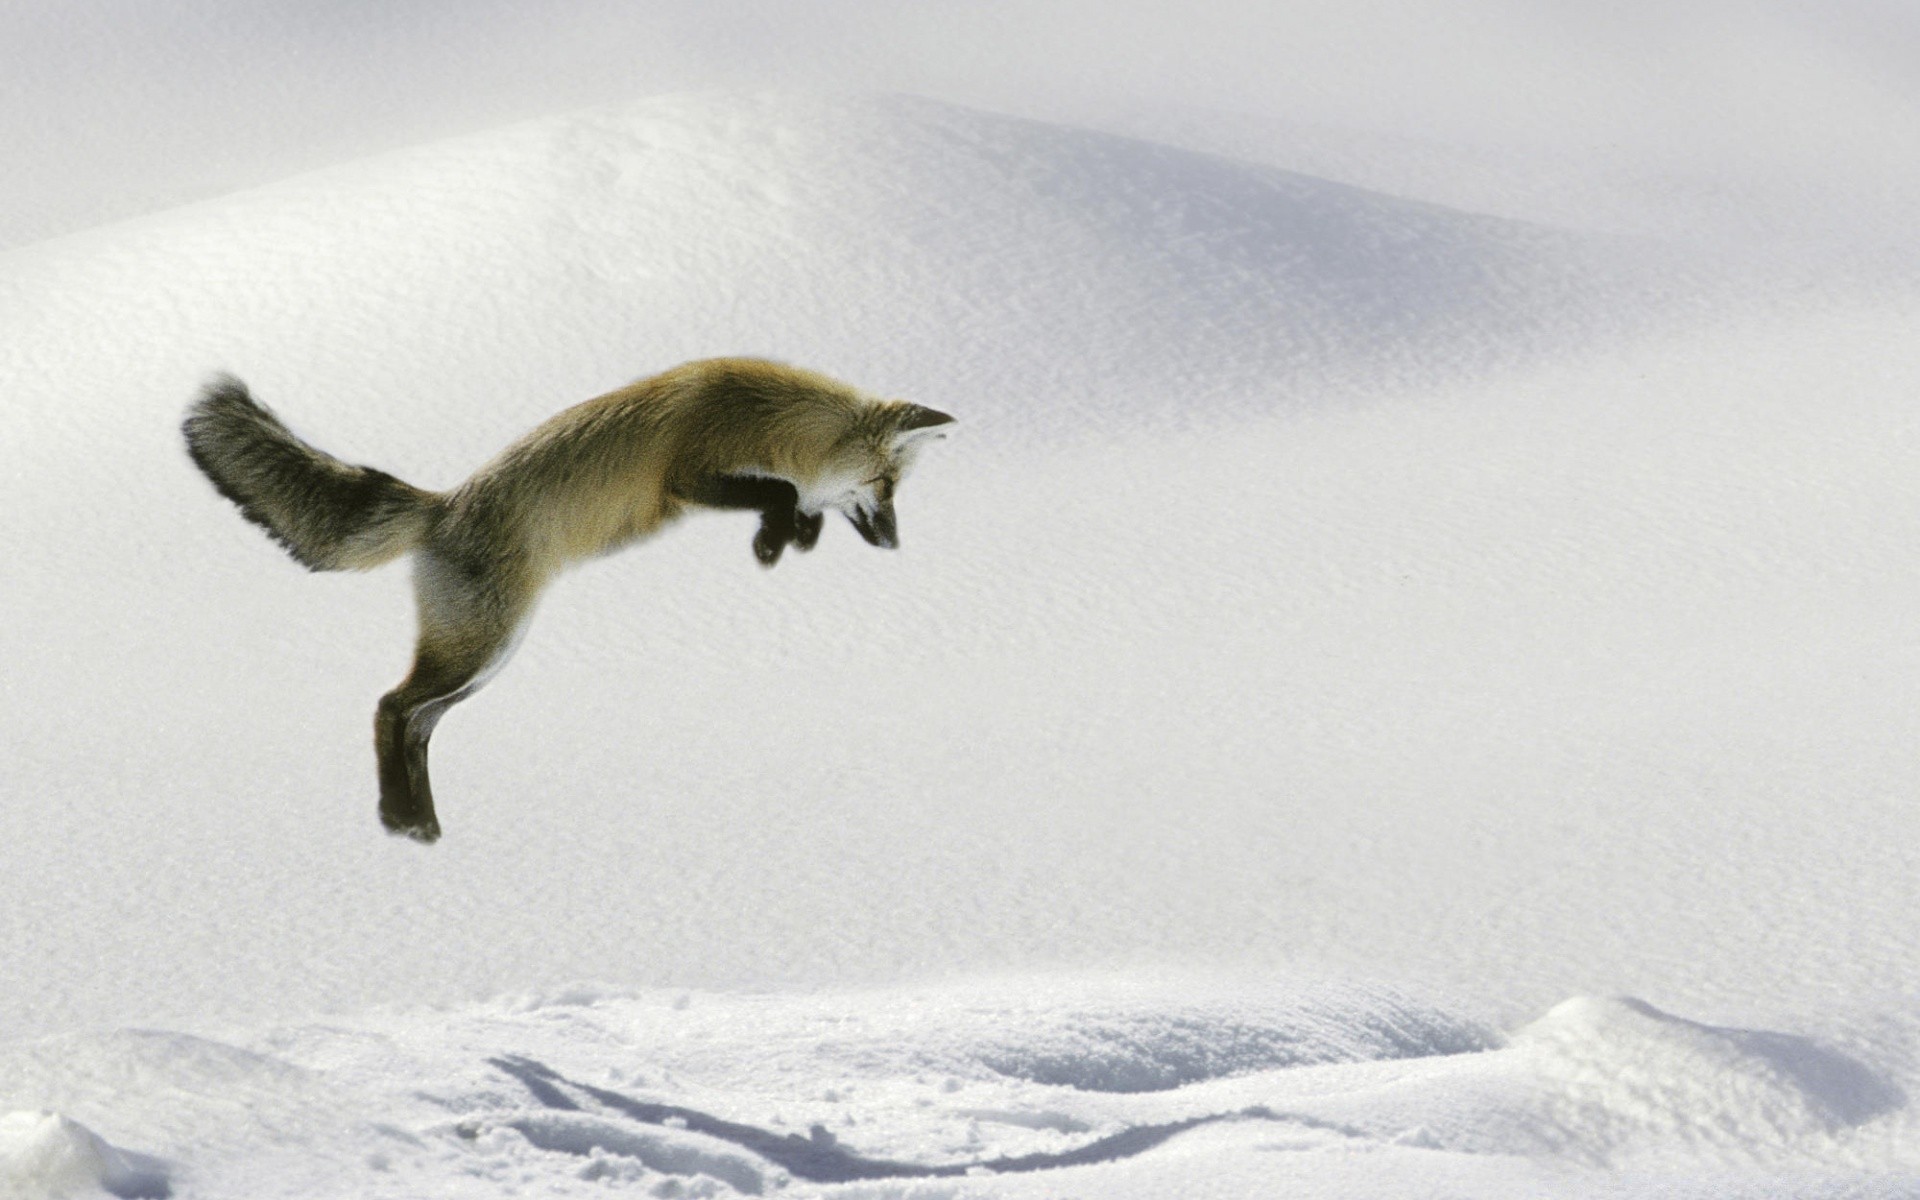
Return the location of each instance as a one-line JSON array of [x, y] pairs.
[[819, 1157]]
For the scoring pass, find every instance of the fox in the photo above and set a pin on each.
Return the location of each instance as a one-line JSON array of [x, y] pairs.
[[722, 433]]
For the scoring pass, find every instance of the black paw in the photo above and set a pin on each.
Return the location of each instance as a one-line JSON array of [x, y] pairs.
[[778, 526], [806, 529], [768, 543], [425, 832]]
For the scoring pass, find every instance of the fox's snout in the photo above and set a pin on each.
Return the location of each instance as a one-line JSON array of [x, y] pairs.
[[877, 525]]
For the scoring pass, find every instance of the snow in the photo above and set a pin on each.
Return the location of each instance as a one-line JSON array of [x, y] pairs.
[[1101, 1085], [44, 1153], [1632, 1077], [1401, 683]]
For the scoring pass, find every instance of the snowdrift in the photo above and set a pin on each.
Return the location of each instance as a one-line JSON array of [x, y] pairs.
[[44, 1154], [908, 1093]]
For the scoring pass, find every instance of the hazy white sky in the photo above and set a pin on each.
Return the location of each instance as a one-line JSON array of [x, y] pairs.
[[112, 107]]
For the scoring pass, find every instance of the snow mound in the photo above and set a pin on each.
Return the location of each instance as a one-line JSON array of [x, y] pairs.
[[1630, 1077], [1156, 1047], [1047, 276], [46, 1155], [71, 1072], [1087, 1033]]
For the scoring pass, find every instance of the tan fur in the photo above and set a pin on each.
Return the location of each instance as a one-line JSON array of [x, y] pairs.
[[729, 432], [601, 474]]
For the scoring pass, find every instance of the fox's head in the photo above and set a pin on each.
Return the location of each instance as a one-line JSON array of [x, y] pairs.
[[866, 469]]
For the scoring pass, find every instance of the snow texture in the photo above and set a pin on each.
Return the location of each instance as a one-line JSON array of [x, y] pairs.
[[46, 1154], [908, 1092], [1377, 698]]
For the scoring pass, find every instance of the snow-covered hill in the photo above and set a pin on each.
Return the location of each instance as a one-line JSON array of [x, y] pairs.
[[1046, 277], [1319, 584]]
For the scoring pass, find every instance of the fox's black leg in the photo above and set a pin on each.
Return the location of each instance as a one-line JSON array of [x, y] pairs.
[[402, 726], [467, 632], [776, 530], [806, 529], [776, 500]]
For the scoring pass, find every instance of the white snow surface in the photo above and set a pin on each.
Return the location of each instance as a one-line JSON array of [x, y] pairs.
[[1375, 698], [1046, 1086]]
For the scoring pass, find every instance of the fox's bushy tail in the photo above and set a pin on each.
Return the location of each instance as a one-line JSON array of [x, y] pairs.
[[330, 515]]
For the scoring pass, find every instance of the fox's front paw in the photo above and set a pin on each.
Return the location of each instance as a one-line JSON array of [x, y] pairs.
[[806, 529], [778, 526], [768, 543]]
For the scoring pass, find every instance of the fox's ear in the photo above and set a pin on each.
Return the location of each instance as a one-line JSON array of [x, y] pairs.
[[918, 422]]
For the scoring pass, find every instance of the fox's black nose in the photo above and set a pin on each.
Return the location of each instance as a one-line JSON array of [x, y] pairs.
[[878, 526]]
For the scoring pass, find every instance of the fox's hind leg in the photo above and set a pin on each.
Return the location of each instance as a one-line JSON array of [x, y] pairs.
[[402, 726], [468, 631]]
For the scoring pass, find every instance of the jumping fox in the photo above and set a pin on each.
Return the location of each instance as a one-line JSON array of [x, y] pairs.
[[727, 433]]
